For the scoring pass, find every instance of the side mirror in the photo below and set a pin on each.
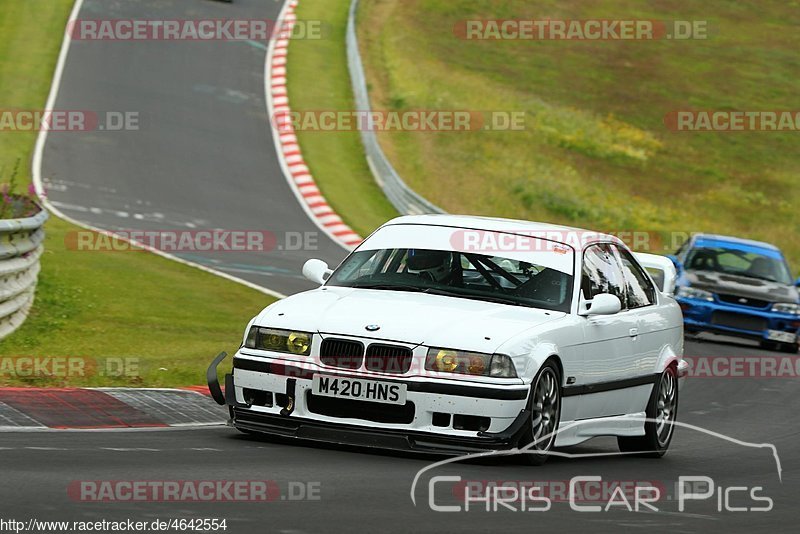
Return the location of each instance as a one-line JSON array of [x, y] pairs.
[[317, 271], [602, 304]]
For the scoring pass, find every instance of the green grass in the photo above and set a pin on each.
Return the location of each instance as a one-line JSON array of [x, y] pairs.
[[318, 80], [170, 318], [595, 151]]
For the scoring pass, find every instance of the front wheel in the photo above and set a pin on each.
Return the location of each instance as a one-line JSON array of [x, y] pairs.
[[662, 412], [791, 348], [544, 405]]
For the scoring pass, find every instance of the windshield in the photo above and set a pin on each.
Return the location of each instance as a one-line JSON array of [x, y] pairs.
[[739, 262], [457, 274]]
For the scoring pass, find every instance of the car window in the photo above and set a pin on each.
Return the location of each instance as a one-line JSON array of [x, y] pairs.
[[657, 275], [602, 273], [739, 262], [457, 274], [639, 288]]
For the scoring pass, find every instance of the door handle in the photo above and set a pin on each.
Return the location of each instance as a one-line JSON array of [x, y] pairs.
[[633, 332]]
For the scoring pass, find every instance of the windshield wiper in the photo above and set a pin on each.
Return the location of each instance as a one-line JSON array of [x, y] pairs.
[[488, 298], [753, 276], [440, 292], [739, 273], [391, 287]]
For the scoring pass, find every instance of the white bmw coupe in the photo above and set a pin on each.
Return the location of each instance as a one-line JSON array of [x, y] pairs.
[[455, 334]]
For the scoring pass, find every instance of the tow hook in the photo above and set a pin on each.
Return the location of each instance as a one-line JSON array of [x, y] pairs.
[[288, 399]]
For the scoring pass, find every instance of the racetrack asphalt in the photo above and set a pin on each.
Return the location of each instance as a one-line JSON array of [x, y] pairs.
[[365, 491], [204, 158]]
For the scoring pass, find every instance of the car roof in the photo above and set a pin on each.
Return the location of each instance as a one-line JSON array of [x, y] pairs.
[[735, 240], [576, 237]]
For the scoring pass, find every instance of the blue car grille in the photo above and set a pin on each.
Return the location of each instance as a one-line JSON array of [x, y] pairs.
[[743, 301], [738, 320]]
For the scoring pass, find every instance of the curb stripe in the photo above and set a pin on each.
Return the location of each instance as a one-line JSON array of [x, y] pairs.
[[79, 408], [106, 408], [289, 151]]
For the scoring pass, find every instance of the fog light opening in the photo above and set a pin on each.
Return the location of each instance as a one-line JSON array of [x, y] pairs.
[[256, 397], [440, 419], [471, 422]]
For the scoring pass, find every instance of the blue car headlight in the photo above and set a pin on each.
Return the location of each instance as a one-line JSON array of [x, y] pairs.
[[693, 293], [786, 307]]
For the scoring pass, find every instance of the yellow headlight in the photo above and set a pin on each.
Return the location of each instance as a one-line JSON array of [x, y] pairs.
[[298, 343], [458, 361], [276, 340], [273, 341], [446, 360], [477, 365]]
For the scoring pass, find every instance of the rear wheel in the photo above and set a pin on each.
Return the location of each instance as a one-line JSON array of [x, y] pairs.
[[662, 412], [544, 404]]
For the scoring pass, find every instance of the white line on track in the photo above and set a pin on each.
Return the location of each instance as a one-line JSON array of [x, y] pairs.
[[37, 170]]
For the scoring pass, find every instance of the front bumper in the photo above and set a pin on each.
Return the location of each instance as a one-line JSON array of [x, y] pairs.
[[732, 320], [285, 406], [308, 429]]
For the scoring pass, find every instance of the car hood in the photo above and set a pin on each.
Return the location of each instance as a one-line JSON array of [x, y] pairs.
[[741, 286], [416, 318]]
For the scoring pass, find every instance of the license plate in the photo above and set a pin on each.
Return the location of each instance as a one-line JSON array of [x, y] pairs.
[[784, 337], [359, 389]]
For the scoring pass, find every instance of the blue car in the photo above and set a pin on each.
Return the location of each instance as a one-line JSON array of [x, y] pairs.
[[738, 287]]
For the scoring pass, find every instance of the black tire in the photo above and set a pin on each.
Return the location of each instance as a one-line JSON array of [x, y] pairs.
[[768, 345], [791, 348], [656, 439], [547, 378]]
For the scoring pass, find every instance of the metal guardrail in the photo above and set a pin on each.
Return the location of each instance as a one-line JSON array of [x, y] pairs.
[[403, 198], [21, 246]]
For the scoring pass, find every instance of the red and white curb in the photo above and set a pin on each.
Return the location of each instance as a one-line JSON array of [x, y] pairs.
[[291, 158], [106, 408]]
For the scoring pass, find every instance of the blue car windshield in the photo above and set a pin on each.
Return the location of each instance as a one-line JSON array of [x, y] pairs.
[[745, 261]]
